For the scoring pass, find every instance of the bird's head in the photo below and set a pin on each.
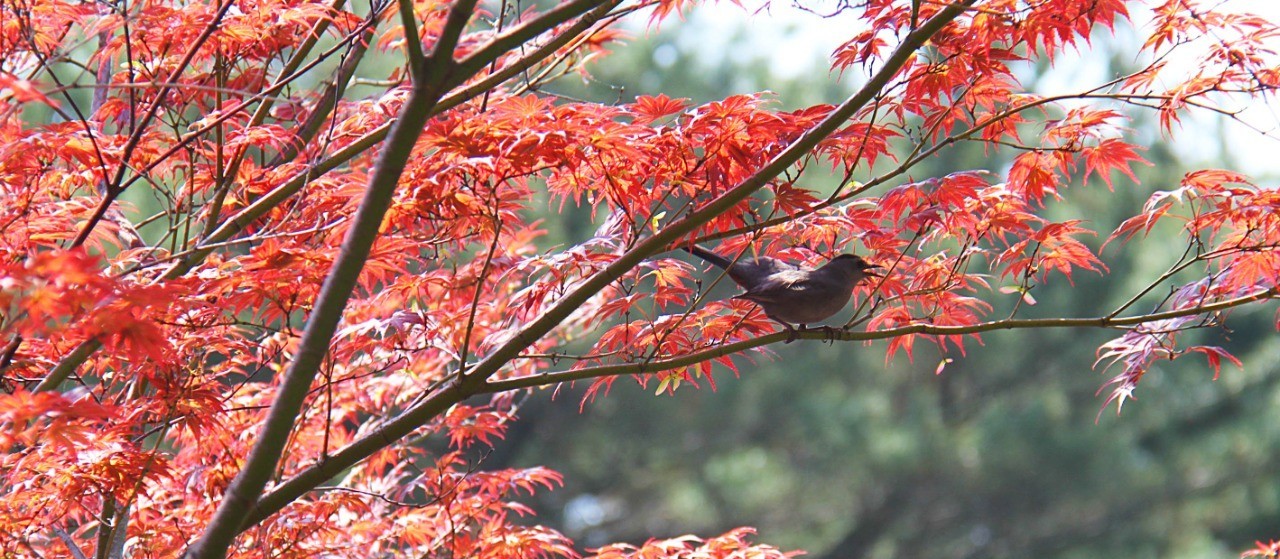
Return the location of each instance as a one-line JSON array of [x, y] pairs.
[[854, 266]]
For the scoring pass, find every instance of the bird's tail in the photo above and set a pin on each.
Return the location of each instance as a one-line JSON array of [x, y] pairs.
[[716, 259]]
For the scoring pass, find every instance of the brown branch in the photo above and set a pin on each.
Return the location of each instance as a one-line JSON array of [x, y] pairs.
[[919, 153], [242, 219], [237, 223], [412, 42], [477, 380], [328, 99], [341, 280], [358, 41], [114, 189], [9, 351], [929, 329], [185, 141]]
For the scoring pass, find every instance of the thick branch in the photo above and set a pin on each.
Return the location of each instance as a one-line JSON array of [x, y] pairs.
[[476, 381], [260, 207], [412, 43], [68, 365], [517, 36], [266, 203], [343, 275], [528, 61]]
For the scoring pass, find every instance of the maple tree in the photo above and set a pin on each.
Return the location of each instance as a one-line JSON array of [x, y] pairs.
[[329, 274]]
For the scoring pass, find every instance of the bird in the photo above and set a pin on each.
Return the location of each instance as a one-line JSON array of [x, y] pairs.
[[791, 294]]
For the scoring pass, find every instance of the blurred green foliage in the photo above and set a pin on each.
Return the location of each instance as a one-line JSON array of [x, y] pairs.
[[833, 450]]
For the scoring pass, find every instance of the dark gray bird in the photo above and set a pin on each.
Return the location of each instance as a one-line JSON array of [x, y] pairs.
[[791, 294]]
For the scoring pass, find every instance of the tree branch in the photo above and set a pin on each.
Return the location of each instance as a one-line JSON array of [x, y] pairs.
[[358, 42], [260, 207], [814, 334], [334, 294], [477, 380], [114, 189], [412, 43]]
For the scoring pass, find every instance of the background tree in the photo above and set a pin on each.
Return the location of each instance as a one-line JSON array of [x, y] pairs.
[[999, 456], [260, 365]]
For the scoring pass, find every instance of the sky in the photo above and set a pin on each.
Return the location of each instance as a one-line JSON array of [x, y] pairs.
[[796, 42]]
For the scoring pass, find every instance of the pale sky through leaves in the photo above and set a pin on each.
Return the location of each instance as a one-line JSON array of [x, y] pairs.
[[797, 42]]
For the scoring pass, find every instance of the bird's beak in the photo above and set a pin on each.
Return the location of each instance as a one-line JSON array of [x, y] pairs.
[[870, 271]]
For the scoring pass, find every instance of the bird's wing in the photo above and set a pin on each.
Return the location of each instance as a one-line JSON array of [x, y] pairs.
[[762, 267], [778, 285]]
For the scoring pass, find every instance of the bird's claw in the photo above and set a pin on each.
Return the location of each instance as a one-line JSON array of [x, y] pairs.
[[829, 334], [791, 333]]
